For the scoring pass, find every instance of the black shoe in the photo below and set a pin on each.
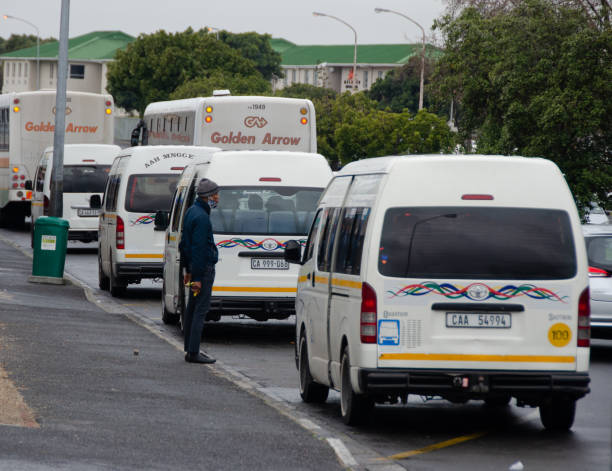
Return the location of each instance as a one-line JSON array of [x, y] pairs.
[[199, 358]]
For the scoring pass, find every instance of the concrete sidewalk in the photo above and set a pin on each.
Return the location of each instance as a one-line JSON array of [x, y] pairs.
[[84, 389]]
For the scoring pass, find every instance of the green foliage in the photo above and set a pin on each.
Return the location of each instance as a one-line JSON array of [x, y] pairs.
[[534, 81], [310, 92], [154, 65], [256, 47], [217, 80]]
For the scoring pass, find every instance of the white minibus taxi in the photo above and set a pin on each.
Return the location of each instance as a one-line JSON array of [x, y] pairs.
[[142, 181], [266, 198], [86, 168], [463, 277]]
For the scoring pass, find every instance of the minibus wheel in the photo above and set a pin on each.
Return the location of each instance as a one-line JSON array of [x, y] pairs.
[[103, 280], [167, 317], [309, 389], [354, 408], [116, 287], [558, 413]]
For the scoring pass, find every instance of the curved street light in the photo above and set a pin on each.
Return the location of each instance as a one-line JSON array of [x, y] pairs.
[[316, 13], [384, 10], [11, 17]]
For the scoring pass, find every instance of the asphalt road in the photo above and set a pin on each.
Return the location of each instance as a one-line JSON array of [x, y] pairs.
[[426, 434]]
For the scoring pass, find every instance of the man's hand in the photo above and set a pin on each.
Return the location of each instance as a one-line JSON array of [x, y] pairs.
[[196, 285]]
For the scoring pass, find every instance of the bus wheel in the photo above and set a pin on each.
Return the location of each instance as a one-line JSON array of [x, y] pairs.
[[355, 408], [167, 317], [309, 389], [558, 413]]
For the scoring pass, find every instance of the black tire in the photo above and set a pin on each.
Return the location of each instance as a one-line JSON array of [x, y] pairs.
[[32, 235], [167, 317], [354, 408], [558, 413], [498, 401], [310, 391], [103, 280], [117, 286]]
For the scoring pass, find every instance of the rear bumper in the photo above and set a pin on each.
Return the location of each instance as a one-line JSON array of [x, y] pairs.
[[253, 306], [139, 270], [82, 235], [474, 384]]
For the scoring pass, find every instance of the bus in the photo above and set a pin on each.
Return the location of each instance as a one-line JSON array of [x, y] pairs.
[[232, 123], [27, 125]]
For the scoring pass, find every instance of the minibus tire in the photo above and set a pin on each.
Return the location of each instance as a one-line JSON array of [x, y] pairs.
[[354, 408], [498, 401], [310, 391], [558, 413], [116, 289], [103, 280], [167, 317]]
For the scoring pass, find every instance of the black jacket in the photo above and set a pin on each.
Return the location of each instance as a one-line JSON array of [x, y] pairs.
[[197, 247]]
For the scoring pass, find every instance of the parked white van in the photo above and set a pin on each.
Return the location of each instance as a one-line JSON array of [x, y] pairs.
[[86, 168], [142, 181], [266, 199], [463, 277]]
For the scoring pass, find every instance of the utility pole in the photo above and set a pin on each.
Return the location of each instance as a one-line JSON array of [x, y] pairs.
[[56, 208]]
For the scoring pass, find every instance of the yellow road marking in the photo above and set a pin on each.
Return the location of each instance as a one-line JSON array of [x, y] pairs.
[[492, 358], [437, 446], [144, 255], [13, 409], [255, 289]]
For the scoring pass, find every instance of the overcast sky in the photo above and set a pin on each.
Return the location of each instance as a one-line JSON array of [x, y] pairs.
[[289, 19]]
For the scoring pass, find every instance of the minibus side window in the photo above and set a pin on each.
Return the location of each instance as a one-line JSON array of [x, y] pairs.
[[326, 243], [113, 189], [313, 233], [177, 208], [40, 177], [350, 245]]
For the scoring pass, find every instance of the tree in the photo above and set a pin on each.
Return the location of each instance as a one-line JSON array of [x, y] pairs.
[[310, 92], [256, 47], [154, 65], [218, 79], [535, 81]]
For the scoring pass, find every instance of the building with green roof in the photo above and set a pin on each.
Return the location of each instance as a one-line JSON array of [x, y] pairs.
[[88, 56], [332, 66]]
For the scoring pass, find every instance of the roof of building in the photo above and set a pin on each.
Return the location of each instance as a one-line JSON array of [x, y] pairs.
[[94, 46], [343, 54]]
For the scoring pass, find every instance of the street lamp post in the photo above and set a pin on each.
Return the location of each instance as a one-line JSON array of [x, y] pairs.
[[316, 13], [210, 29], [11, 17], [384, 10]]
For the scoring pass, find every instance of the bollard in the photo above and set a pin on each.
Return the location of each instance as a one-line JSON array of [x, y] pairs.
[[50, 244]]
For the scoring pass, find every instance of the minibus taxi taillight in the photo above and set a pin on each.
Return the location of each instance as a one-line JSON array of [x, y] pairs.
[[595, 272], [368, 314], [584, 319], [120, 234], [45, 205]]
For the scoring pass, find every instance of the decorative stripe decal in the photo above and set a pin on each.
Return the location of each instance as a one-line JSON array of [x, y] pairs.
[[302, 279], [268, 244], [144, 255], [321, 279], [346, 283], [255, 289], [490, 358]]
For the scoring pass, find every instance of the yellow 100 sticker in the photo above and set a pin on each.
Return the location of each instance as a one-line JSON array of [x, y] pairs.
[[559, 335]]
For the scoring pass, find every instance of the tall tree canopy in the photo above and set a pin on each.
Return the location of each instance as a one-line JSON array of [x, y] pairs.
[[154, 65], [256, 47], [535, 80]]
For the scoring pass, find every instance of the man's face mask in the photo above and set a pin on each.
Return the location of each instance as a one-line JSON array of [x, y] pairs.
[[212, 203]]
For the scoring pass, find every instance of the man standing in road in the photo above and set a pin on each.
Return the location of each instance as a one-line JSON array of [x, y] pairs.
[[199, 256]]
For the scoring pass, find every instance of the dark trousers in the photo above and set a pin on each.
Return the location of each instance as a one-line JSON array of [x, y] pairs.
[[195, 314]]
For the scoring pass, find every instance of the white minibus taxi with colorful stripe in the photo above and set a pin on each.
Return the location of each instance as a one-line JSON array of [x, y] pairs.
[[266, 198], [463, 277], [141, 182]]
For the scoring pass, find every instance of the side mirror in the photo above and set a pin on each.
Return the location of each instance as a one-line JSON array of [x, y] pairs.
[[293, 252], [95, 202], [28, 185], [162, 220]]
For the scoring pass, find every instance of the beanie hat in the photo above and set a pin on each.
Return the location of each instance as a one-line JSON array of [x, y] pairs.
[[207, 187]]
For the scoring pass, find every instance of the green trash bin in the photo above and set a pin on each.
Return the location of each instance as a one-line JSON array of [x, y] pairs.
[[50, 243]]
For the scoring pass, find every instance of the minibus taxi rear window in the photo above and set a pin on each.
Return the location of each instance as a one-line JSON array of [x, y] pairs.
[[150, 193], [261, 210], [85, 178], [477, 243]]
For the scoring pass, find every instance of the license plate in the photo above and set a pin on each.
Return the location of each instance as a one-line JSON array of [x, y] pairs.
[[484, 320], [88, 212], [269, 264]]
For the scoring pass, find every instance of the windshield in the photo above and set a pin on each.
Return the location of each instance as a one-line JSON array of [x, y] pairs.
[[265, 210], [150, 193], [599, 250], [482, 243], [85, 178]]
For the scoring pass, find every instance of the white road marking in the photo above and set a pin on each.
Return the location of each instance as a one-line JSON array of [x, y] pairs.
[[342, 451]]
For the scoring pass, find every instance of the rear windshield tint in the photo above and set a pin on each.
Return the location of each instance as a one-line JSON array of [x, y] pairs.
[[85, 178], [150, 193], [477, 243], [599, 251]]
